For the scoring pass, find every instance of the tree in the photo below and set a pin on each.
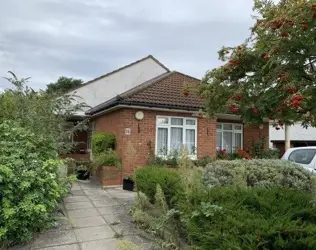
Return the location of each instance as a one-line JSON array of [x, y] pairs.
[[41, 112], [63, 85], [272, 75]]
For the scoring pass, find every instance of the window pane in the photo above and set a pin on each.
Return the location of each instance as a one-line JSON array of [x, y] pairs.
[[238, 127], [162, 141], [190, 141], [190, 122], [219, 140], [228, 142], [162, 120], [176, 140], [219, 126], [227, 126], [303, 156], [176, 121], [238, 141]]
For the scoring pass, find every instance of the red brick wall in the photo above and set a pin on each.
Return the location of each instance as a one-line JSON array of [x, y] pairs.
[[254, 133], [134, 148]]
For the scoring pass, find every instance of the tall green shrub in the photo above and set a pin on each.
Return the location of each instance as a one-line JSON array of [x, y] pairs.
[[267, 173], [169, 180], [32, 183], [102, 142]]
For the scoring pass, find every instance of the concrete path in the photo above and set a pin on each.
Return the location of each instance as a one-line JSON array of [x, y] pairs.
[[95, 219]]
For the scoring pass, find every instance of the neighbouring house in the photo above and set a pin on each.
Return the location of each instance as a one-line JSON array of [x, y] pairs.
[[299, 137], [144, 106]]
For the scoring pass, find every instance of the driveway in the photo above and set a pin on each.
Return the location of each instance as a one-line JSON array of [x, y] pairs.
[[95, 219]]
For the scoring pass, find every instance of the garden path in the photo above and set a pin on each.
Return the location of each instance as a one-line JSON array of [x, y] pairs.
[[95, 219]]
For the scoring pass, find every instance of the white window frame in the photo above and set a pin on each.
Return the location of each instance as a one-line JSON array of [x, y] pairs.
[[169, 126], [234, 131]]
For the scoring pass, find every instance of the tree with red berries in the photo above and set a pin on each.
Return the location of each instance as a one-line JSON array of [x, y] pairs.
[[273, 74]]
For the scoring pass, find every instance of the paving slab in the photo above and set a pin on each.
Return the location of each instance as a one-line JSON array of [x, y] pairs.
[[117, 218], [62, 223], [78, 205], [99, 196], [62, 247], [88, 222], [111, 209], [105, 202], [54, 238], [77, 193], [75, 187], [94, 233], [70, 199], [125, 229], [108, 244], [81, 213]]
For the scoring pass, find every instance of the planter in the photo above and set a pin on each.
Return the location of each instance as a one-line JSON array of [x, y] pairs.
[[83, 175], [109, 175], [128, 185]]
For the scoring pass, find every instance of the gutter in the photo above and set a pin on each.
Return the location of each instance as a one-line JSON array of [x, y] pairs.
[[119, 106]]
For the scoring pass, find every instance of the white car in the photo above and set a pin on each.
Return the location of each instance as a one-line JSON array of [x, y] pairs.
[[304, 156]]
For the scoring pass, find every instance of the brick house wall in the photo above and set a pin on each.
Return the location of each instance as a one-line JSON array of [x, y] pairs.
[[134, 148]]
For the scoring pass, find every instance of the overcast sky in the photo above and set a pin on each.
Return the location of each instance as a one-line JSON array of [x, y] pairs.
[[45, 39]]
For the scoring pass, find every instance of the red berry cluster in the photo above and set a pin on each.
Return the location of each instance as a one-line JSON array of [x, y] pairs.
[[255, 111], [266, 57], [237, 97], [284, 34], [296, 101], [290, 89], [233, 108]]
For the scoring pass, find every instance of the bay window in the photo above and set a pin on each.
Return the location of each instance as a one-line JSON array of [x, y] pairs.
[[175, 132], [229, 136]]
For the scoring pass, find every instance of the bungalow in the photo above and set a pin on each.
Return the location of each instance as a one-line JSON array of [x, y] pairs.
[[144, 106]]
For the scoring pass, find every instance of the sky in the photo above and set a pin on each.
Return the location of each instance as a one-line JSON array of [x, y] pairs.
[[45, 39]]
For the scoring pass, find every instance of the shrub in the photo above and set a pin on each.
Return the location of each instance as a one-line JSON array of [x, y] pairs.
[[108, 158], [169, 180], [102, 142], [256, 218], [31, 185], [203, 161], [168, 161], [267, 173]]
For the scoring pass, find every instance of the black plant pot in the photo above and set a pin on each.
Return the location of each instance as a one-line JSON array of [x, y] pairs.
[[128, 185], [83, 175]]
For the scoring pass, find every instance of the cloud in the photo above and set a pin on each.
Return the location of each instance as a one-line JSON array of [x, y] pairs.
[[45, 39]]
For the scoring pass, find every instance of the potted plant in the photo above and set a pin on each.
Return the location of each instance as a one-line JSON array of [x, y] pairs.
[[128, 183], [108, 167], [83, 172]]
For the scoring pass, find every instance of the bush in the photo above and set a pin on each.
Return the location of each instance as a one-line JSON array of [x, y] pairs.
[[31, 185], [108, 158], [256, 218], [267, 173], [169, 161], [169, 180], [203, 161], [102, 142]]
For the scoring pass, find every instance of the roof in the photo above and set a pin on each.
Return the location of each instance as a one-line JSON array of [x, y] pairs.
[[297, 133], [119, 69], [165, 90]]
